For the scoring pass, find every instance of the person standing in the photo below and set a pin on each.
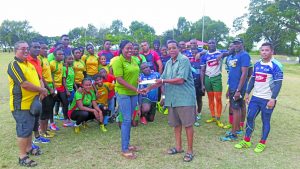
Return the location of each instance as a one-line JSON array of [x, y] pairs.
[[152, 58], [266, 81], [126, 71], [24, 86], [180, 98]]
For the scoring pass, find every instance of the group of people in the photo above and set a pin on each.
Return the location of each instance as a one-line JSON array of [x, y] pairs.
[[130, 84]]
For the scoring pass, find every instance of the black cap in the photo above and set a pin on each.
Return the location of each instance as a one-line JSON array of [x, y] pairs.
[[238, 40]]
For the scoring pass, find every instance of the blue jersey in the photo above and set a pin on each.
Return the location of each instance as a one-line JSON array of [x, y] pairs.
[[153, 94], [164, 59], [235, 64], [196, 70], [265, 74]]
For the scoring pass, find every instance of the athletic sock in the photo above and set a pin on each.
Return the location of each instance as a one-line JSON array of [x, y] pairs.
[[230, 118], [263, 141], [247, 139]]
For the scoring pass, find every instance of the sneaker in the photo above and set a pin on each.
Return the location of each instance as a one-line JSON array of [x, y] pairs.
[[198, 116], [41, 139], [166, 111], [211, 120], [227, 126], [84, 125], [102, 128], [47, 135], [68, 123], [243, 144], [34, 146], [76, 129], [230, 137], [144, 120], [239, 132], [219, 124], [260, 148], [159, 107], [196, 124], [53, 127]]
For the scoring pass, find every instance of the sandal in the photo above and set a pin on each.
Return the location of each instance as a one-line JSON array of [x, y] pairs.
[[27, 162], [35, 152], [188, 157], [134, 148], [129, 155], [173, 151]]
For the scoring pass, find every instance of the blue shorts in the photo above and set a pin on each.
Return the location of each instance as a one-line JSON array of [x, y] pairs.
[[25, 123], [236, 104]]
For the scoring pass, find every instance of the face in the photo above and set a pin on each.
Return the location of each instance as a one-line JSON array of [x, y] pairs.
[[90, 49], [99, 81], [128, 50], [44, 49], [182, 45], [35, 49], [237, 46], [22, 51], [145, 46], [70, 60], [107, 45], [103, 73], [156, 46], [266, 52], [77, 54], [87, 85], [145, 69], [173, 50], [231, 48], [103, 60], [59, 55], [136, 50], [164, 51], [193, 44], [212, 45], [194, 52], [65, 41]]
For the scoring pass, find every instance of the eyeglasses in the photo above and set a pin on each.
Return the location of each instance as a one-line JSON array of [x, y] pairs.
[[23, 49]]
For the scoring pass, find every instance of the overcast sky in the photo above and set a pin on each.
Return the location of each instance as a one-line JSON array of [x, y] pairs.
[[57, 17]]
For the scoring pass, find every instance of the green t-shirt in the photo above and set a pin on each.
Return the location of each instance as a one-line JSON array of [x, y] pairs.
[[70, 80], [129, 70], [86, 100], [50, 57], [141, 59]]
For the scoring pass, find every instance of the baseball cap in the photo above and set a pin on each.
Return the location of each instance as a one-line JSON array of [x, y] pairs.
[[238, 40]]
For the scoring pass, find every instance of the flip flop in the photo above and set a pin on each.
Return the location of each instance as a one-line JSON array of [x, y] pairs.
[[173, 151], [188, 157], [129, 155], [134, 148]]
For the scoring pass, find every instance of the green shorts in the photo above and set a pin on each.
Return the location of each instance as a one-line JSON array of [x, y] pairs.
[[213, 84]]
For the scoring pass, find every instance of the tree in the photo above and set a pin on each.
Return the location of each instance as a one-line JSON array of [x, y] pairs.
[[140, 31], [117, 27]]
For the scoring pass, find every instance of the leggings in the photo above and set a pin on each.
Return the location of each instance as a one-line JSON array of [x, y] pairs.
[[81, 116], [64, 100], [257, 105]]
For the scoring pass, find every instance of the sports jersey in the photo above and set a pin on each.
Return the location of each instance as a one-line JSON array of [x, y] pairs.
[[106, 67], [164, 59], [91, 63], [51, 57], [153, 94], [79, 68], [196, 69], [46, 71], [86, 100], [265, 74], [69, 74], [236, 63], [213, 66], [37, 64], [57, 72], [139, 59], [18, 72], [152, 57], [111, 79], [103, 91]]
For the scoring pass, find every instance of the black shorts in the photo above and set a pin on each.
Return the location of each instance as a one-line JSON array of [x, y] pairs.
[[236, 104], [104, 112], [25, 123], [47, 108], [152, 105]]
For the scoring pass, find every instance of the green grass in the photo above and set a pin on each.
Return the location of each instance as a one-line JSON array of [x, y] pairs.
[[93, 149]]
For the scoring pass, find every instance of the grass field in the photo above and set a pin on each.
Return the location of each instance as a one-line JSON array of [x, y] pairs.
[[93, 149]]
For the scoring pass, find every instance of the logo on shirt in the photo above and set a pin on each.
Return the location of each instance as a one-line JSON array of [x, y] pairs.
[[212, 63], [259, 77], [232, 63]]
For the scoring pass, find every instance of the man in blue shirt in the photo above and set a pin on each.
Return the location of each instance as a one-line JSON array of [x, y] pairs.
[[238, 65], [66, 42]]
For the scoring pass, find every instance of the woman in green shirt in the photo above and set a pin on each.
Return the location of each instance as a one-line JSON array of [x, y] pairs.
[[84, 106]]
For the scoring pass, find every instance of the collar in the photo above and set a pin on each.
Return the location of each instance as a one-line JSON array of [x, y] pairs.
[[123, 58], [19, 60]]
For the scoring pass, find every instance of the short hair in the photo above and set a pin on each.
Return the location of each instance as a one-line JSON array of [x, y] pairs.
[[268, 44], [74, 49], [98, 76], [17, 44], [135, 44], [56, 50], [33, 41], [172, 41], [106, 40], [87, 79], [156, 41], [89, 45], [64, 35]]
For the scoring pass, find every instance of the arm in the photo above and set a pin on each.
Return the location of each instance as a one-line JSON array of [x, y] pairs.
[[30, 87], [124, 83], [82, 107], [241, 83], [202, 75], [275, 91], [97, 112], [160, 66], [249, 89], [47, 87]]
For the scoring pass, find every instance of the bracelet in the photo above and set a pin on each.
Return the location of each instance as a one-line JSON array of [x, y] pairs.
[[163, 96]]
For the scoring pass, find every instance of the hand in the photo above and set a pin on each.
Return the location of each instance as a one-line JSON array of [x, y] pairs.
[[43, 93], [80, 89], [105, 107], [219, 57], [247, 98], [52, 92], [237, 95], [98, 95], [271, 104], [143, 91], [159, 81], [203, 88], [162, 102]]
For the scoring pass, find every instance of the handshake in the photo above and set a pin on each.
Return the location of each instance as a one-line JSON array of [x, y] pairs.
[[154, 84]]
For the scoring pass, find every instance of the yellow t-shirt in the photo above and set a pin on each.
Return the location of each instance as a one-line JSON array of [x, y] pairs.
[[106, 67], [79, 68], [103, 92], [91, 63], [57, 72], [46, 71], [18, 72]]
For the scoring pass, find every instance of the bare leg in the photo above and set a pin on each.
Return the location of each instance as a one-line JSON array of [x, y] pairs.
[[190, 135], [177, 131]]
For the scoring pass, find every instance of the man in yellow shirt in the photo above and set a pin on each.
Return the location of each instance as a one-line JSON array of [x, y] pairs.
[[24, 86]]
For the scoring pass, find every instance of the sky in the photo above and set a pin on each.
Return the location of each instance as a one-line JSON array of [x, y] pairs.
[[57, 17]]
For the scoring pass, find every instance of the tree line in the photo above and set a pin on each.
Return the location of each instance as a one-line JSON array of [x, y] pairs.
[[275, 21]]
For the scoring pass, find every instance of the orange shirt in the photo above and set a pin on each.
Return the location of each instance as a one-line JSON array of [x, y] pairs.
[[37, 64]]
